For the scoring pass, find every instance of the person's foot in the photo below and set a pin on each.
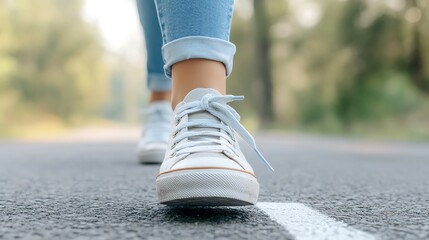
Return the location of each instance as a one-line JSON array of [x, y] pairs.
[[155, 134], [204, 164]]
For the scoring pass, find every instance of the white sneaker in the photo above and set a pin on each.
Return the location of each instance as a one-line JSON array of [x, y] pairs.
[[155, 134], [204, 164]]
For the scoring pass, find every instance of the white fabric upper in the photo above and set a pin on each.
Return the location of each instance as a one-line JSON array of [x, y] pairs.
[[203, 134], [156, 128]]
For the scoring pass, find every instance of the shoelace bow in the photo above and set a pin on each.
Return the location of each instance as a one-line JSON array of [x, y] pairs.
[[210, 140]]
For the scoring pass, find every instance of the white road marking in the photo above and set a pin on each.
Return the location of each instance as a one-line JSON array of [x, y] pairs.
[[305, 223]]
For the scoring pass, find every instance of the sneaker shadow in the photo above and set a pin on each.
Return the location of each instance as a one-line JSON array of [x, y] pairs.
[[150, 163], [210, 215]]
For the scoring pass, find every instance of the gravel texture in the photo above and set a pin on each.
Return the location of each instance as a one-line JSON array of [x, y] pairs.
[[97, 190]]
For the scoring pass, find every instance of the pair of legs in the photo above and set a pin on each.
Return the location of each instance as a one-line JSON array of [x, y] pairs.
[[197, 51]]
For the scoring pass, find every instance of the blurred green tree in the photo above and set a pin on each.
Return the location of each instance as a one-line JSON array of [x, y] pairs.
[[263, 62], [50, 60], [336, 64], [418, 60]]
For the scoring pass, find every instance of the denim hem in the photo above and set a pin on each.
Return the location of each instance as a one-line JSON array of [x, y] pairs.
[[158, 82], [198, 47]]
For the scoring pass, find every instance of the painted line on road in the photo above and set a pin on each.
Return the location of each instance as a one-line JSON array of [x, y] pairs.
[[305, 223]]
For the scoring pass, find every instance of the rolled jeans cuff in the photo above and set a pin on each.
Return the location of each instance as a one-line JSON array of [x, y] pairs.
[[158, 82], [198, 47]]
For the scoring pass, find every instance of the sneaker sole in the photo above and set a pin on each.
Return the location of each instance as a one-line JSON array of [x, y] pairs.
[[207, 187], [154, 156]]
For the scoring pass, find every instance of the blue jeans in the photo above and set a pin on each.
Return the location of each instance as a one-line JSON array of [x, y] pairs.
[[185, 29]]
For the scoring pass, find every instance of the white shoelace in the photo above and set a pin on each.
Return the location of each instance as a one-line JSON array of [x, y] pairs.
[[210, 140]]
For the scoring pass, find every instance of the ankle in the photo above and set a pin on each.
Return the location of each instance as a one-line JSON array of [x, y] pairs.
[[160, 96], [196, 73]]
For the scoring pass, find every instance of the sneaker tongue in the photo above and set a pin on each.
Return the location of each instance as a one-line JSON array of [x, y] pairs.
[[161, 105], [196, 95]]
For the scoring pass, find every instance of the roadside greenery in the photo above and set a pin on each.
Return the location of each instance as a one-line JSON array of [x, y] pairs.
[[356, 67], [51, 65]]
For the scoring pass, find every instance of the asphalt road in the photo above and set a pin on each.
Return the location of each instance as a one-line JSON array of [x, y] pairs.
[[97, 190]]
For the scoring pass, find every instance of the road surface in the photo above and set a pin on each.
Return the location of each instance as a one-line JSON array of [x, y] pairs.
[[347, 189]]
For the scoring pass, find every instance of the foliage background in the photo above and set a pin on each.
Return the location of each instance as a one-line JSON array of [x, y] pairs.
[[358, 67]]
